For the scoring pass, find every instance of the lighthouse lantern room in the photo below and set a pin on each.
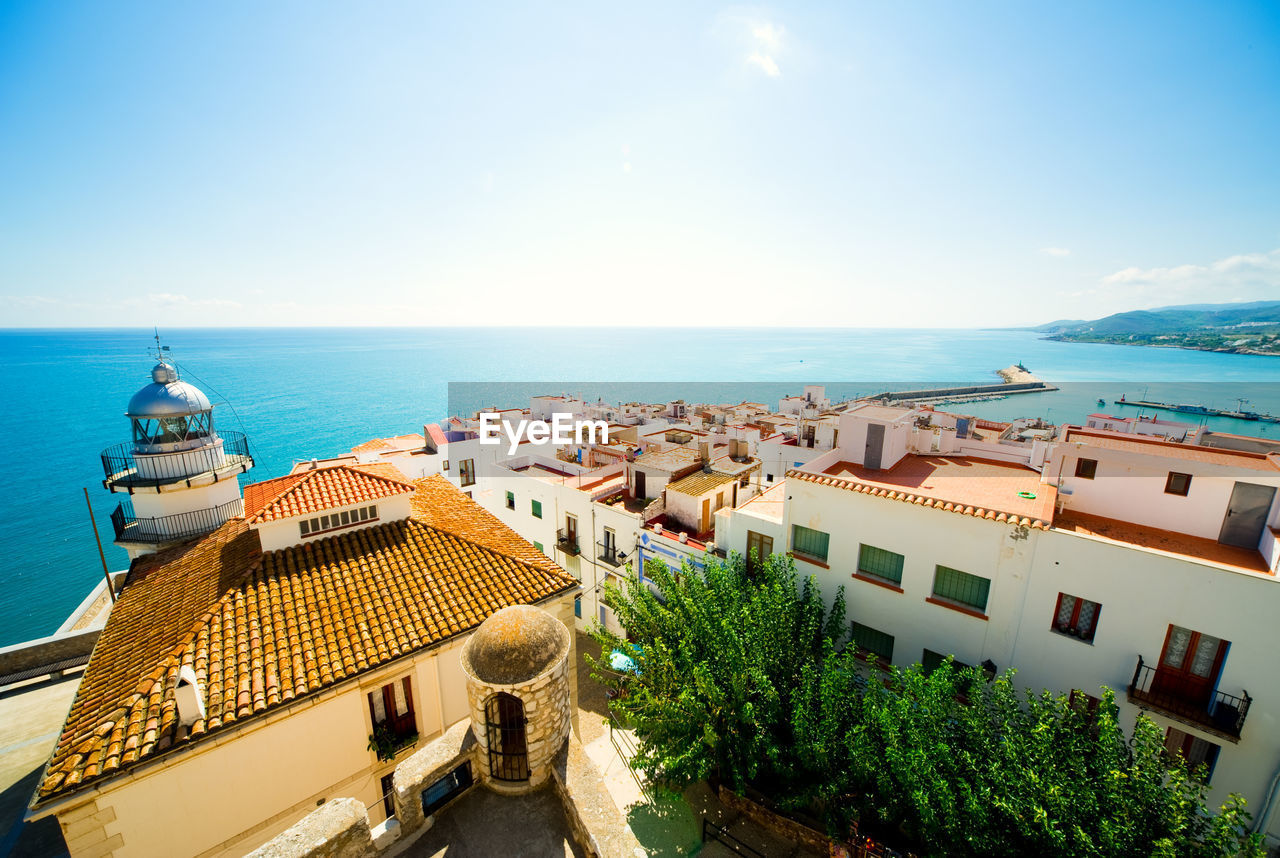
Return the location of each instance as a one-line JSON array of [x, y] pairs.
[[178, 471]]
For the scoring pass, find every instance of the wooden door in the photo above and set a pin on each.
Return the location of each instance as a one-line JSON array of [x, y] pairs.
[[1189, 665], [706, 516]]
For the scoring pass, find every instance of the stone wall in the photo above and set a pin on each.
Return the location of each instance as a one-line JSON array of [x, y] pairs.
[[776, 822], [426, 766], [598, 826], [49, 654], [337, 829], [548, 707]]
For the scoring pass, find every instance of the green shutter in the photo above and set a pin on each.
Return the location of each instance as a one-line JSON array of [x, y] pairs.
[[873, 641], [957, 586], [810, 543], [536, 507], [880, 563]]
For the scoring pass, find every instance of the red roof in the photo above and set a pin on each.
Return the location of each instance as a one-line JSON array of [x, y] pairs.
[[323, 488]]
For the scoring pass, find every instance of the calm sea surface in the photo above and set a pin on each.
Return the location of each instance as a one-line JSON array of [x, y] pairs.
[[299, 393]]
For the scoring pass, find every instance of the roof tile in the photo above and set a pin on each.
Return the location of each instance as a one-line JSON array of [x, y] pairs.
[[262, 629]]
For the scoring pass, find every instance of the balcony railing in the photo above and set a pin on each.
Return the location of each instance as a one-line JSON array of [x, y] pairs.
[[126, 467], [1178, 697], [169, 528], [606, 553], [567, 541]]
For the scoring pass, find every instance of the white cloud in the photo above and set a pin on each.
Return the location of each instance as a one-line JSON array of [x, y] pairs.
[[768, 35], [766, 64], [762, 42], [1248, 271], [1055, 251]]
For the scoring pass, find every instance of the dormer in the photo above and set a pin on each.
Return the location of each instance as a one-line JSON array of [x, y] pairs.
[[318, 501]]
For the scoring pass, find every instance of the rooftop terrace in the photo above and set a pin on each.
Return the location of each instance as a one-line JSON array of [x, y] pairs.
[[959, 484]]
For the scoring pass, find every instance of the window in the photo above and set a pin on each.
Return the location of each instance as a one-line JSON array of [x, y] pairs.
[[1196, 751], [446, 466], [467, 472], [768, 478], [577, 607], [536, 508], [391, 713], [759, 547], [1076, 617], [880, 563], [931, 661], [1177, 484], [961, 588], [873, 641], [810, 543], [511, 500], [1086, 469], [333, 521], [1085, 704]]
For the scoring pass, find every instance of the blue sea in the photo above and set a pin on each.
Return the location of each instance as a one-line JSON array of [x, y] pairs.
[[299, 393]]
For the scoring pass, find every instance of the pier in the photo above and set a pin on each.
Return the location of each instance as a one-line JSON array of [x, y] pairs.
[[1017, 379]]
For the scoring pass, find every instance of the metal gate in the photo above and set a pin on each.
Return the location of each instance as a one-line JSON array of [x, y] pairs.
[[505, 727]]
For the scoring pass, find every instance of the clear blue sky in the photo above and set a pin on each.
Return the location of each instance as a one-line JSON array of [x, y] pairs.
[[884, 164]]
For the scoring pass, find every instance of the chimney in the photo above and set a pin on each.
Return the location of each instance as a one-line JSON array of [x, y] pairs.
[[188, 697], [315, 463], [428, 442], [704, 453]]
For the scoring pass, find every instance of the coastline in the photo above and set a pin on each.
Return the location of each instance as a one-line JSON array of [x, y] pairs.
[[1182, 346]]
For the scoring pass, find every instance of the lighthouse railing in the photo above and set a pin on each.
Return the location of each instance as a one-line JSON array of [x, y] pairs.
[[123, 463], [183, 525]]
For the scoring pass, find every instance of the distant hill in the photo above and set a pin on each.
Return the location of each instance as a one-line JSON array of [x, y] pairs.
[[1170, 320], [1245, 328]]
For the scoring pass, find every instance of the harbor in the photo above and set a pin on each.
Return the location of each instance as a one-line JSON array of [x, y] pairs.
[[1200, 410]]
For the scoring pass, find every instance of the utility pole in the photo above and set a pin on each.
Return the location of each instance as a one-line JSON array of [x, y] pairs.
[[111, 591]]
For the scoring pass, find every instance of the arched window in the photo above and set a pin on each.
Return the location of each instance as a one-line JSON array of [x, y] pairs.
[[505, 727]]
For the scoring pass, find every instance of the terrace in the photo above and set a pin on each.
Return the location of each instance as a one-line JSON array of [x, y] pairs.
[[1195, 548]]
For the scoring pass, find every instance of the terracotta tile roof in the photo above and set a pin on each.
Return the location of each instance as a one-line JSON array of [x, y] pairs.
[[371, 446], [700, 483], [1149, 446], [968, 486], [261, 630], [311, 491]]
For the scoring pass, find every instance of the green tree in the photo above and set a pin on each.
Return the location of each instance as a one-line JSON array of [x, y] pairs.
[[723, 653], [743, 675]]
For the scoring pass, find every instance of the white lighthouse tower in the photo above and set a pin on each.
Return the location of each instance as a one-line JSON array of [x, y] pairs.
[[179, 473]]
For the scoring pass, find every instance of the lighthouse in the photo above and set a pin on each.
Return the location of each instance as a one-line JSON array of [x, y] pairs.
[[178, 472]]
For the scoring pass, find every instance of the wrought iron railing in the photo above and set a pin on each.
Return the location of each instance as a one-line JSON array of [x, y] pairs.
[[1188, 698], [608, 554], [567, 541], [167, 528], [120, 463]]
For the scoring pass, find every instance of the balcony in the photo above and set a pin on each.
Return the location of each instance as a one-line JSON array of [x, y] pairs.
[[171, 528], [606, 553], [1173, 695], [567, 541], [126, 469]]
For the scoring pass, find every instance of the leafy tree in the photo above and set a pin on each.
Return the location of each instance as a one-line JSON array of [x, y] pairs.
[[743, 675], [723, 653]]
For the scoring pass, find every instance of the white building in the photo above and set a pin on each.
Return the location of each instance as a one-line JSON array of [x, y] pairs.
[[1105, 559]]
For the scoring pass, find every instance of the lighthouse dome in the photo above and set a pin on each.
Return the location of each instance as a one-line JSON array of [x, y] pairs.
[[167, 396]]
